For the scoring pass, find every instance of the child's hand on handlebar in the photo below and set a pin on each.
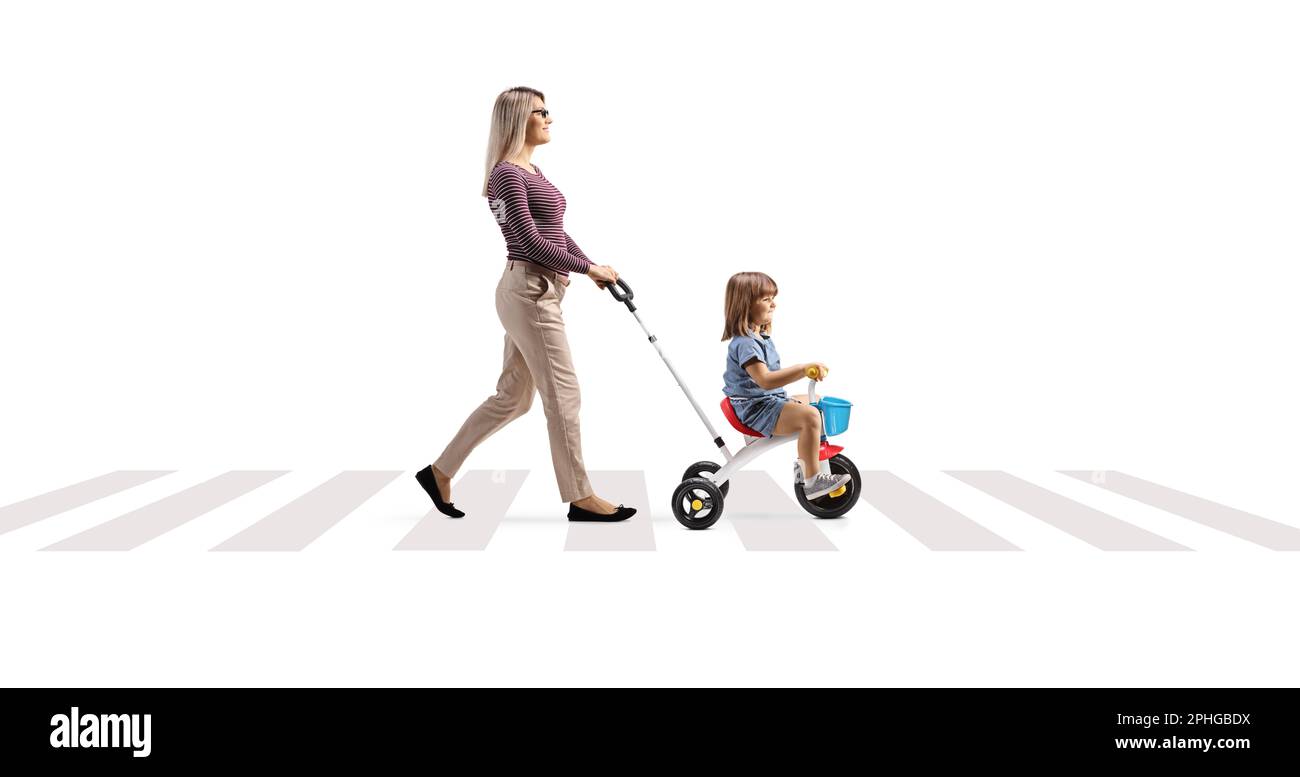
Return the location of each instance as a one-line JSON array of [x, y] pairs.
[[821, 368], [602, 275]]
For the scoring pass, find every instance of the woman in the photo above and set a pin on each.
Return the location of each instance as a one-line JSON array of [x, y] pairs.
[[540, 256]]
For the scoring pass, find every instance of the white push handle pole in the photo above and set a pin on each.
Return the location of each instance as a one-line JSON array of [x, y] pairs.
[[626, 298]]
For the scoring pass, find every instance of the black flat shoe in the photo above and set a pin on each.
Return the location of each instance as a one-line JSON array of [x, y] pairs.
[[621, 514], [425, 476]]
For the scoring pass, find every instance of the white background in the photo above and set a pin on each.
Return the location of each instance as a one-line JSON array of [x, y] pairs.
[[1023, 235]]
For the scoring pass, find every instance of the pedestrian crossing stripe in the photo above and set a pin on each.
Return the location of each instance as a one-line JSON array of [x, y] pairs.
[[129, 510]]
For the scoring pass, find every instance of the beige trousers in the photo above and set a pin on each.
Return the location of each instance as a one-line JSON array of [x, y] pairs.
[[536, 359]]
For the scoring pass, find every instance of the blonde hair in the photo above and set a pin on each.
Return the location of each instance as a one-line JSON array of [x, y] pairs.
[[743, 290], [510, 115]]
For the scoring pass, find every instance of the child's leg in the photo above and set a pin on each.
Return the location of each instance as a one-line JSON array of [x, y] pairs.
[[807, 422]]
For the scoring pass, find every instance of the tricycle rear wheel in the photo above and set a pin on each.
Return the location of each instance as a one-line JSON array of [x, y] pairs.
[[695, 469]]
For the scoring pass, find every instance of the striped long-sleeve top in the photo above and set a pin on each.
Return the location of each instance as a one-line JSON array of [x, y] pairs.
[[530, 212]]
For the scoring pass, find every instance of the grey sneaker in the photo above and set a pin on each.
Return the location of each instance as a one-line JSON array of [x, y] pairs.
[[823, 484]]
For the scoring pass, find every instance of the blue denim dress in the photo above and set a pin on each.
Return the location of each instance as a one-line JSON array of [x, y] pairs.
[[756, 408]]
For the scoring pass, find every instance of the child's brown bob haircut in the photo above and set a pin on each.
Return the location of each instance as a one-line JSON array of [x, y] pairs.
[[743, 290]]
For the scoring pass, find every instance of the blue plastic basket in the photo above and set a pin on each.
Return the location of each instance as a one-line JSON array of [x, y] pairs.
[[835, 413]]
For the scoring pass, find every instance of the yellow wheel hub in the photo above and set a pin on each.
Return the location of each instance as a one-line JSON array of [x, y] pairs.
[[839, 491], [696, 504]]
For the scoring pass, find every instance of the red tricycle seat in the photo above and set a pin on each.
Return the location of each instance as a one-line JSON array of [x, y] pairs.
[[730, 413]]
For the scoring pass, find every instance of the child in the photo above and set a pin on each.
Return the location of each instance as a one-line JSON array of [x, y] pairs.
[[754, 378]]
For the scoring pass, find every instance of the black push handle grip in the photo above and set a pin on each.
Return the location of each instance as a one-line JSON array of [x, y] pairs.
[[625, 298]]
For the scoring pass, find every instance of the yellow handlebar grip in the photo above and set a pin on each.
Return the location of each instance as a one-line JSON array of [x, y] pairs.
[[813, 372]]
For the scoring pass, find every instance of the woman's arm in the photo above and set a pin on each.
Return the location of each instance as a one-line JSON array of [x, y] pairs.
[[573, 247], [517, 219]]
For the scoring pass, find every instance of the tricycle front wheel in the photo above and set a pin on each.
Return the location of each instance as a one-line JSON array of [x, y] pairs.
[[832, 506]]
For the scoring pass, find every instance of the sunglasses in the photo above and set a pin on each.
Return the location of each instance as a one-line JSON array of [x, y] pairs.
[[543, 111]]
